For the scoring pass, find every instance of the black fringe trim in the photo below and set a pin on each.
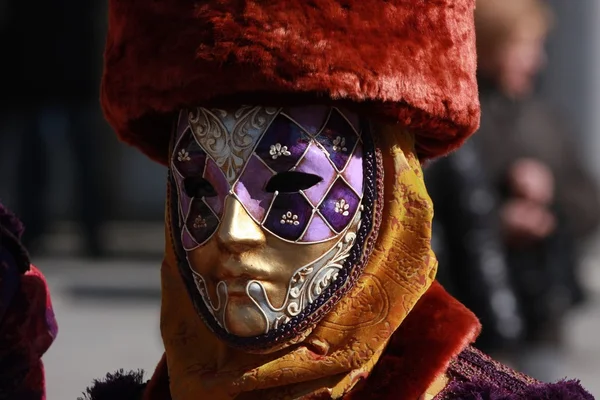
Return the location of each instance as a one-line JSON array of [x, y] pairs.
[[118, 386]]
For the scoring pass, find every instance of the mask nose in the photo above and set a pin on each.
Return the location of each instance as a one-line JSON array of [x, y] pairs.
[[238, 232]]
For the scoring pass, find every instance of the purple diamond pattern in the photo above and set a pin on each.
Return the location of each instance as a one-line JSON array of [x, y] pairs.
[[289, 216], [184, 200], [187, 241], [338, 138], [317, 230], [215, 176], [250, 189], [182, 123], [311, 118], [188, 157], [282, 145], [352, 117], [317, 163], [317, 140], [354, 170], [339, 205], [201, 222]]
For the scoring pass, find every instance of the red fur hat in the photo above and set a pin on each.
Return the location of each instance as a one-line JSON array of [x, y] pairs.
[[406, 61]]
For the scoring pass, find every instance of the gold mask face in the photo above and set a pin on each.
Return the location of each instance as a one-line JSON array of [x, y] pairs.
[[269, 204]]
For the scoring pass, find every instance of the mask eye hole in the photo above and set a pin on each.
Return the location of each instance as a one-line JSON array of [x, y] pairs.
[[198, 187], [292, 182]]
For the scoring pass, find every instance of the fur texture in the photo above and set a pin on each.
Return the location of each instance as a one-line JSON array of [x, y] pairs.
[[10, 222], [408, 61]]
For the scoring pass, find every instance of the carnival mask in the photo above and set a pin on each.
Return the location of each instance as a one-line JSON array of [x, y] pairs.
[[273, 208]]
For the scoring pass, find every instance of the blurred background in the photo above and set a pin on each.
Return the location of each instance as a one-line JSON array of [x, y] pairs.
[[518, 242]]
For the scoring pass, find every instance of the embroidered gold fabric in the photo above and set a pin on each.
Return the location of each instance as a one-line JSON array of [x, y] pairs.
[[347, 343]]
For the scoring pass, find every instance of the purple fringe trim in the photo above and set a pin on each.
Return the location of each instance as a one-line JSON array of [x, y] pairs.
[[118, 386], [482, 390]]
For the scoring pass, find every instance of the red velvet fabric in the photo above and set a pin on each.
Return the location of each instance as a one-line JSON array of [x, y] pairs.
[[408, 61], [434, 333]]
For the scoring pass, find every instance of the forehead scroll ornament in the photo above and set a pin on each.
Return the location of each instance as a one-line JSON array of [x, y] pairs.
[[305, 177]]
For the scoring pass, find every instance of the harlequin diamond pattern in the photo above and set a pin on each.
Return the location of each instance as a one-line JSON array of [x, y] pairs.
[[310, 118], [332, 203], [289, 216], [282, 144], [338, 138], [201, 222], [188, 157], [317, 163], [250, 188], [184, 200], [316, 214], [340, 205], [214, 175]]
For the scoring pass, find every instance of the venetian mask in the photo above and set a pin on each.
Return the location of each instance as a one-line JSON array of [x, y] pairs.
[[273, 208]]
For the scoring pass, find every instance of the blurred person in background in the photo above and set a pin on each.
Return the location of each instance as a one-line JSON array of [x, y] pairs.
[[467, 242], [49, 93], [547, 201]]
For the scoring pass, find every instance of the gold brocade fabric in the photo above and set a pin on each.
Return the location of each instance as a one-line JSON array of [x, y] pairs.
[[346, 343]]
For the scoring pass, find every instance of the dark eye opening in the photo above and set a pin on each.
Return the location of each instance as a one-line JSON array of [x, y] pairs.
[[292, 182], [198, 187]]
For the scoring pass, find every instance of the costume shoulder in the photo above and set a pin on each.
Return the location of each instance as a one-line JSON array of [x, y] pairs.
[[475, 376], [27, 324]]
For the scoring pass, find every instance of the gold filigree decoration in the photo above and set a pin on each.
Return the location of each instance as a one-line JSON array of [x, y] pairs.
[[306, 284], [218, 310], [230, 138]]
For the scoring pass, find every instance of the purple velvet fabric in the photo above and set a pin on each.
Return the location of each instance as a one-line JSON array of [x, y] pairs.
[[475, 376], [27, 324], [9, 222], [485, 390]]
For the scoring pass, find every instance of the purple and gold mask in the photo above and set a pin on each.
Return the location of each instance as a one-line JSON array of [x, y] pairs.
[[272, 215]]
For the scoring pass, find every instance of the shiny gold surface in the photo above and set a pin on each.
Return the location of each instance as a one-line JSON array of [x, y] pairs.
[[242, 251]]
